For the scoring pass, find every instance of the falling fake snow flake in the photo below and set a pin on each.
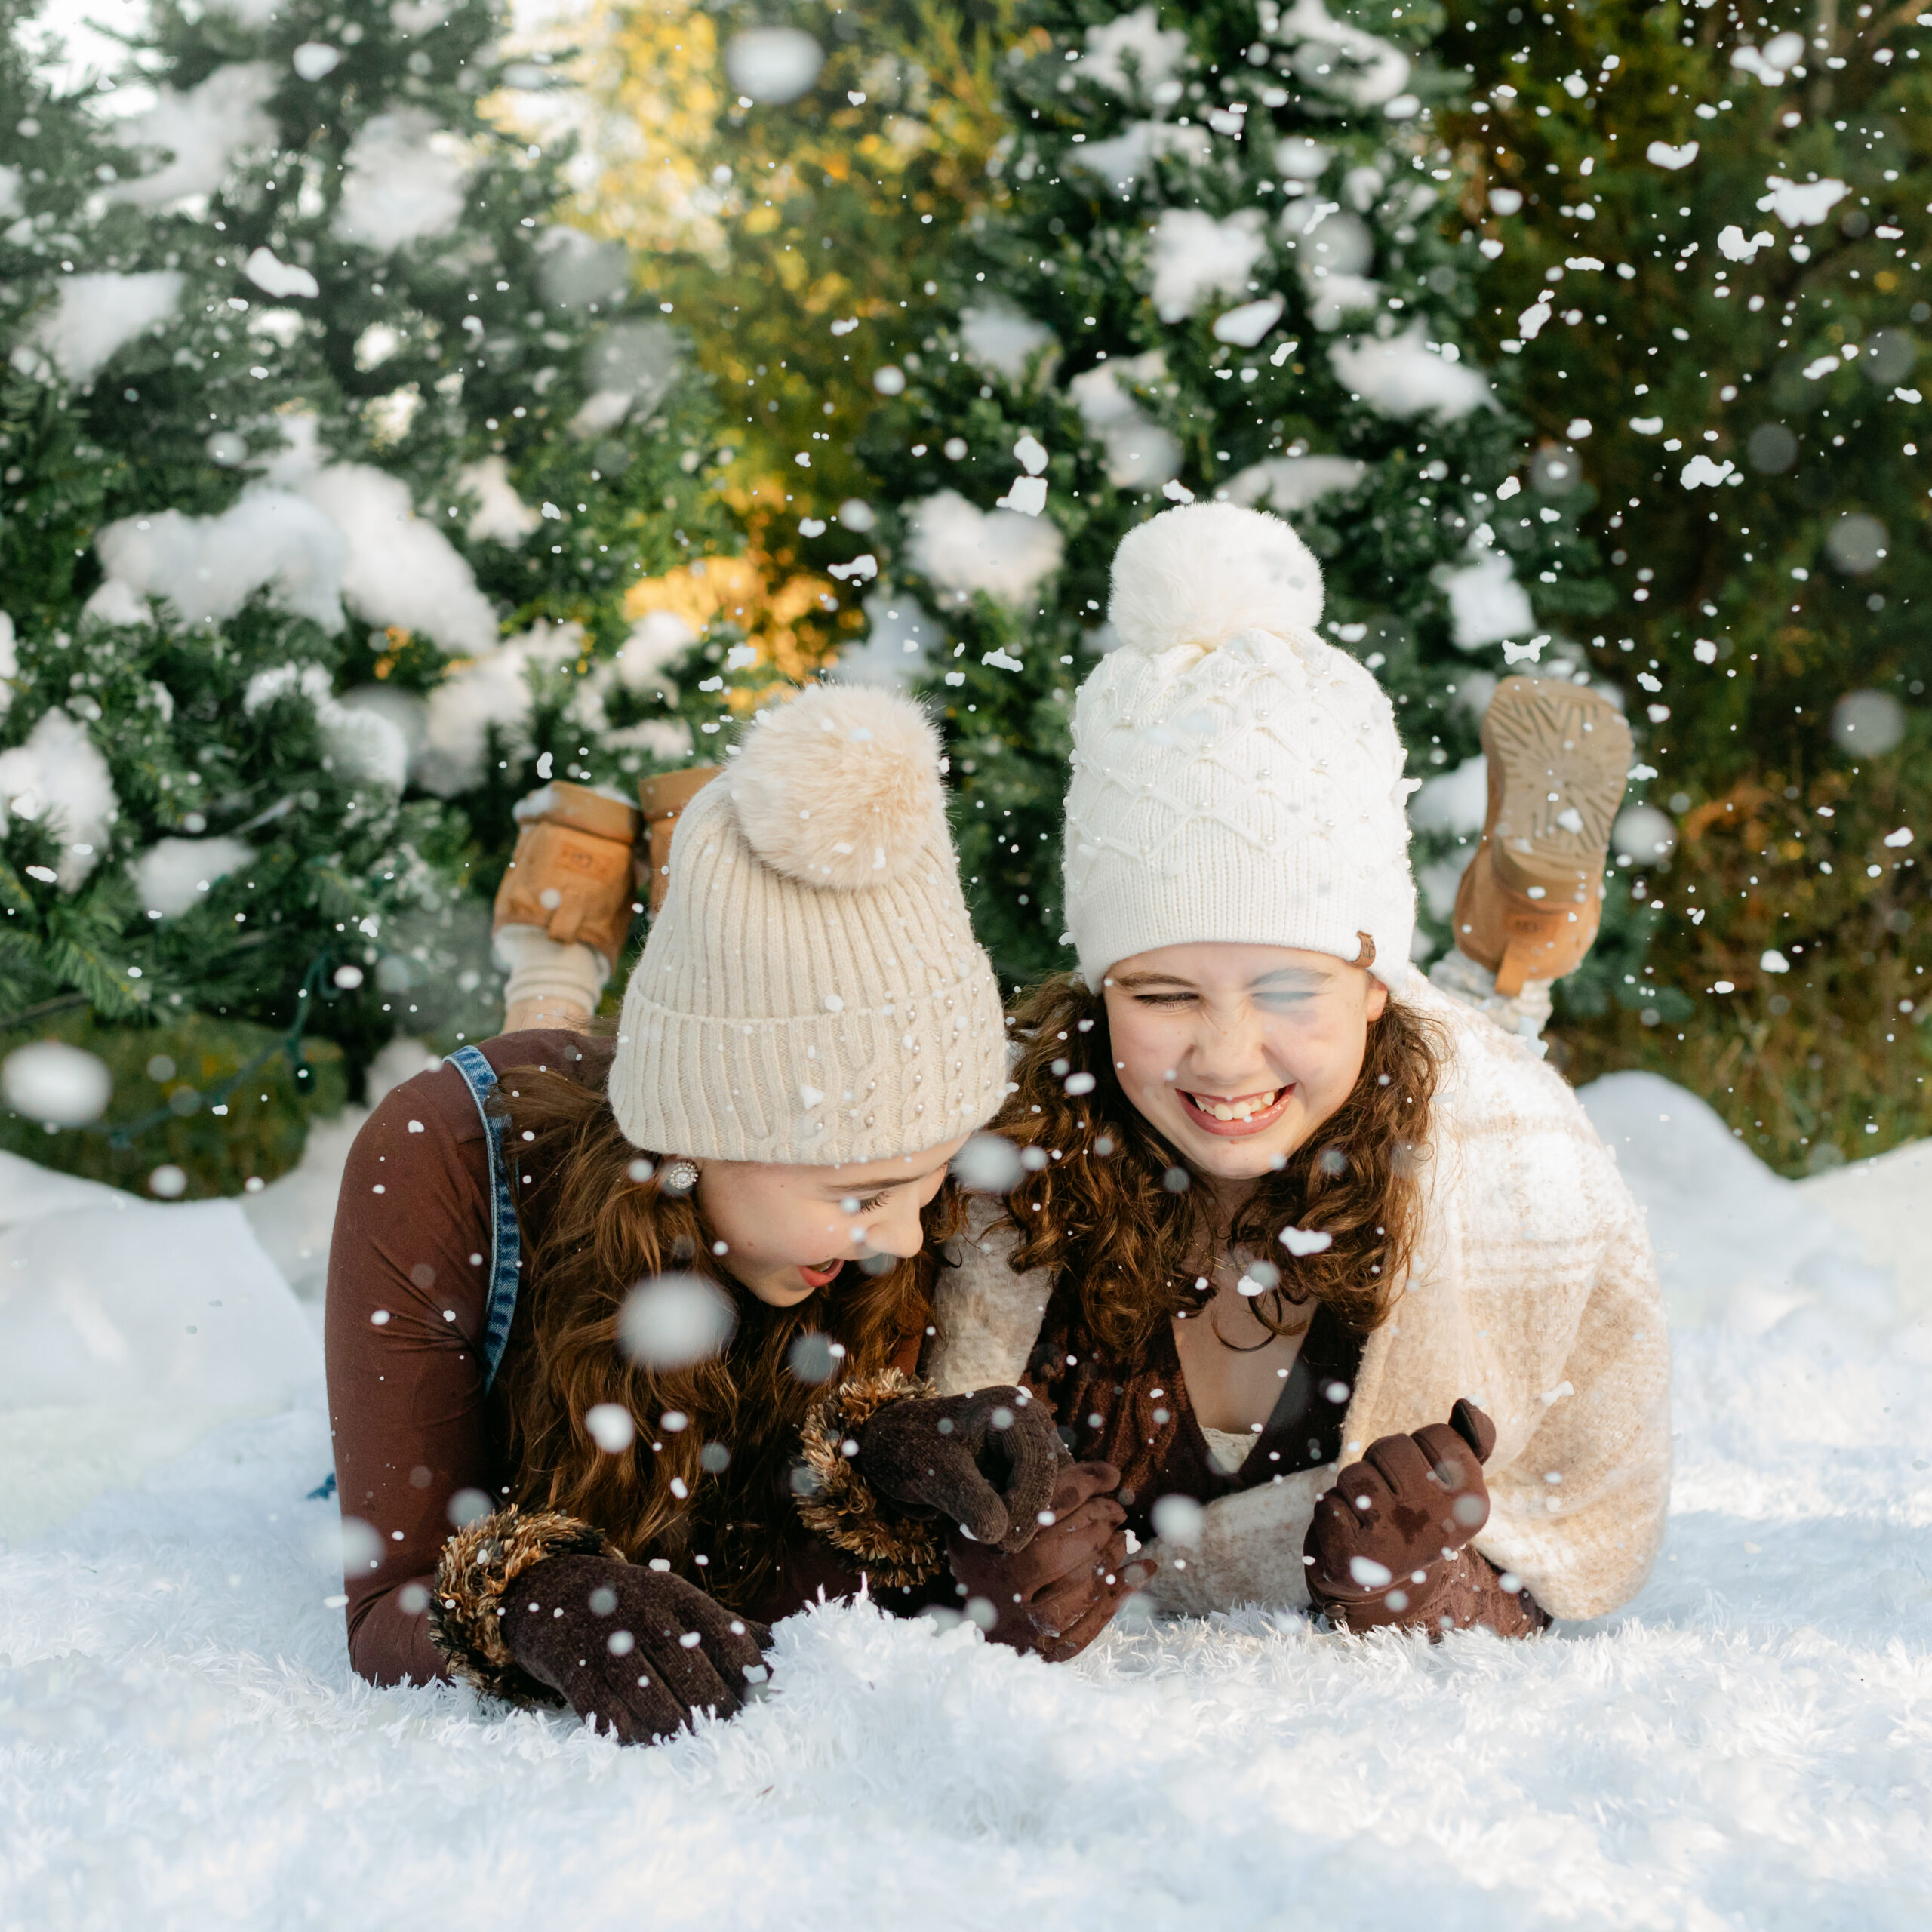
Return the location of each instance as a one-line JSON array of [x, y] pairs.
[[1700, 469], [51, 1081]]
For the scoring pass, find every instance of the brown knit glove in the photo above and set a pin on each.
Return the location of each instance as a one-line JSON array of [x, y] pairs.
[[1386, 1543], [1057, 1594], [987, 1461], [637, 1649]]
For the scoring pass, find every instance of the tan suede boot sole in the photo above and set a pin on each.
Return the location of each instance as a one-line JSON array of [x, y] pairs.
[[571, 872], [1559, 759]]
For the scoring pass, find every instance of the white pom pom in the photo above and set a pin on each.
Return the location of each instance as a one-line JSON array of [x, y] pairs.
[[841, 787], [1206, 572]]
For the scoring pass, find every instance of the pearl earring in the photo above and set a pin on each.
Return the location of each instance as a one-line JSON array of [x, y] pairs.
[[680, 1176]]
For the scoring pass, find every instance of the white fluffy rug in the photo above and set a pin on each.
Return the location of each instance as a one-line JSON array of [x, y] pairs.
[[1749, 1746], [182, 1743]]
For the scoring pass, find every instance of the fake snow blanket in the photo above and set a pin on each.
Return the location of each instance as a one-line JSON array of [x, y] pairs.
[[183, 1745]]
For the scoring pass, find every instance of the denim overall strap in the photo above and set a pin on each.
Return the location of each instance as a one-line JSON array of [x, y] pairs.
[[505, 1244]]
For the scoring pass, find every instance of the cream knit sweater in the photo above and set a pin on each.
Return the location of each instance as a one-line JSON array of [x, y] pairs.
[[1533, 1292]]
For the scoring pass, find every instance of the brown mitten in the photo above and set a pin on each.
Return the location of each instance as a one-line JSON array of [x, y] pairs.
[[639, 1649], [1387, 1543], [986, 1461], [571, 876], [1058, 1593]]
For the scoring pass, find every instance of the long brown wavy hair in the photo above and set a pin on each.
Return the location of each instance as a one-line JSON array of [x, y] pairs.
[[1100, 1212], [712, 1495]]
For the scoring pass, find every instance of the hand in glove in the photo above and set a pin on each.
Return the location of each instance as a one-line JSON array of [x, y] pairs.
[[1387, 1541], [639, 1649], [1059, 1593], [987, 1461]]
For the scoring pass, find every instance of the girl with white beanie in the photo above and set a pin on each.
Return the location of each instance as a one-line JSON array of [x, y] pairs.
[[1327, 1263], [619, 1313]]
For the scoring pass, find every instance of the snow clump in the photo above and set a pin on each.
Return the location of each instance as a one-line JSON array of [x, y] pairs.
[[403, 181], [1486, 603], [401, 570], [502, 516], [1802, 204], [961, 548], [208, 567], [59, 775], [1192, 256], [1140, 452], [1000, 340], [1455, 802], [492, 690], [656, 640], [899, 635], [1124, 158], [1344, 61], [95, 315], [365, 743], [1132, 41], [202, 131], [1408, 375], [173, 873], [1287, 483]]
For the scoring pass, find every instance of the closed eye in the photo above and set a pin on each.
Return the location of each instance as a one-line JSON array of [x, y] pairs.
[[1163, 999]]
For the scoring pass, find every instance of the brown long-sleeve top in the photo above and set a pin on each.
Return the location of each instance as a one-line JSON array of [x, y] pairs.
[[413, 1426], [1136, 1414]]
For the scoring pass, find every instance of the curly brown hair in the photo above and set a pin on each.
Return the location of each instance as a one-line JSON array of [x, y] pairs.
[[712, 1495], [1099, 1210]]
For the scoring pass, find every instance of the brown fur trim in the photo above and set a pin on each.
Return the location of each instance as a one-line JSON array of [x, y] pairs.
[[478, 1567], [841, 1506]]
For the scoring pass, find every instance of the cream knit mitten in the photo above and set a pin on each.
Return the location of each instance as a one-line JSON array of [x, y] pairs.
[[550, 983]]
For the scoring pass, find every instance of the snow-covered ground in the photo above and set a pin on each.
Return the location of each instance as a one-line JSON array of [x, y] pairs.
[[1748, 1746]]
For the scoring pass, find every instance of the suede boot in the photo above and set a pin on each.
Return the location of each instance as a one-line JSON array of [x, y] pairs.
[[1530, 899], [570, 874], [663, 798]]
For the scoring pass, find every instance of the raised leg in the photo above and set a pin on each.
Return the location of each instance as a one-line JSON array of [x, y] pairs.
[[1527, 909]]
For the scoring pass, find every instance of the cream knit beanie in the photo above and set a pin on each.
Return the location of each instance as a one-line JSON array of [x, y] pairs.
[[1234, 778], [811, 991]]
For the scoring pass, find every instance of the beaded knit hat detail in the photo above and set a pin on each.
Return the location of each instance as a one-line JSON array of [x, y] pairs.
[[811, 992], [1235, 777]]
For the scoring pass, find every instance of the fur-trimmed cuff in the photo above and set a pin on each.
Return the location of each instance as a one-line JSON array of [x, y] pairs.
[[474, 1575], [842, 1505]]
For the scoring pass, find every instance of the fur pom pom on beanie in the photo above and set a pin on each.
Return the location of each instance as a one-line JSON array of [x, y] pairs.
[[1235, 777], [811, 992]]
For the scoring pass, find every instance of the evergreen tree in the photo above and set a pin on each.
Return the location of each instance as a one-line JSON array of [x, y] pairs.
[[804, 230], [1710, 226], [308, 403], [1218, 269]]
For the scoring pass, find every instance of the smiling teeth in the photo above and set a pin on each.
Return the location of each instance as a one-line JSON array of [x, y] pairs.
[[1244, 1108]]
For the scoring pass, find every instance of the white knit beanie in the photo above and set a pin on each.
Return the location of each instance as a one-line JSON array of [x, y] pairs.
[[811, 991], [1235, 777]]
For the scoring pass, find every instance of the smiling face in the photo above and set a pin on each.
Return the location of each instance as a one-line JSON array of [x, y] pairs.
[[1239, 1053], [787, 1231]]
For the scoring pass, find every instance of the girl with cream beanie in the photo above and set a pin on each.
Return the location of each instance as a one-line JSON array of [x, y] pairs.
[[1325, 1261], [619, 1311]]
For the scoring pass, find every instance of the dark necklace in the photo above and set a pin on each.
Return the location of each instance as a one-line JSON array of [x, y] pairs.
[[1239, 1348]]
